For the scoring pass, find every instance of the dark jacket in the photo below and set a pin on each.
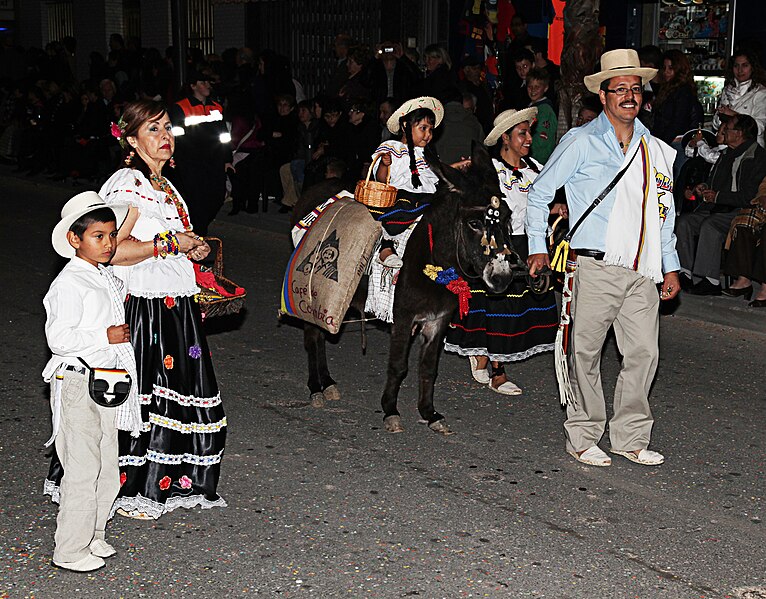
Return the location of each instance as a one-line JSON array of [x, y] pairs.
[[404, 81], [741, 169], [677, 114], [457, 131]]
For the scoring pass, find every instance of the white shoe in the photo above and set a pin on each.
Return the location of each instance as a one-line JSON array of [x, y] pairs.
[[593, 456], [101, 548], [87, 564], [507, 388], [480, 375], [392, 261], [646, 457]]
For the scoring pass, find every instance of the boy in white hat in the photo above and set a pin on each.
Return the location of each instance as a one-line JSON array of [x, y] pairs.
[[85, 319]]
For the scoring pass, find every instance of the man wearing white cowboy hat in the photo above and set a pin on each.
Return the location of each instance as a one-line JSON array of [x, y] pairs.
[[624, 248]]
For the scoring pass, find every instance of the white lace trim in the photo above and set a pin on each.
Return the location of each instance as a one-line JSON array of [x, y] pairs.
[[52, 489], [142, 504], [187, 427], [170, 458], [155, 509], [158, 294], [184, 400], [517, 357]]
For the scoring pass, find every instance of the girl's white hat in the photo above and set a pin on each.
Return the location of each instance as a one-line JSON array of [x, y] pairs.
[[507, 119], [618, 63], [81, 204], [423, 102]]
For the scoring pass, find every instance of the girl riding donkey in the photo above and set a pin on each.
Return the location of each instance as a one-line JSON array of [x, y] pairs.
[[403, 164]]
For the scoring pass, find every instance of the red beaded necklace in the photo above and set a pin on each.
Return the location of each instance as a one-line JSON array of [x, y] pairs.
[[172, 198]]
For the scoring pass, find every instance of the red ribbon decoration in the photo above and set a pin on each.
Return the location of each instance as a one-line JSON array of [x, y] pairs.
[[463, 291]]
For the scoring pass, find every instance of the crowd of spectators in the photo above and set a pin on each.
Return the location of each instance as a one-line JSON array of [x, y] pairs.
[[283, 141]]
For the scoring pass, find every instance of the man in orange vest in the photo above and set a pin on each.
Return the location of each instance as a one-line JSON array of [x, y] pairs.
[[203, 151]]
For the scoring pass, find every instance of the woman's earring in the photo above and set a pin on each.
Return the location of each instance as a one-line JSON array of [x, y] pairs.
[[129, 158], [172, 163]]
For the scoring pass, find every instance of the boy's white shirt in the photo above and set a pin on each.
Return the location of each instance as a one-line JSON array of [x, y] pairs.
[[79, 310]]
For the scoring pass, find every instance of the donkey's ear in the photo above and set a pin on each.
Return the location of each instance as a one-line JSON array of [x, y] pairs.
[[481, 160], [451, 177]]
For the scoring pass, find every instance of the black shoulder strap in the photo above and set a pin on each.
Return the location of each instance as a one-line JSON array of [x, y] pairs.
[[84, 363], [602, 195]]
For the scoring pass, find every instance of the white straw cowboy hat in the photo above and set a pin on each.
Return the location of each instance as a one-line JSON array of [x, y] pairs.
[[81, 204], [618, 63], [423, 102], [507, 119]]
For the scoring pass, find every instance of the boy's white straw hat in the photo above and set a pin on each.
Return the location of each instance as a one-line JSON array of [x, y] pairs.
[[423, 102], [81, 204], [618, 63], [507, 119]]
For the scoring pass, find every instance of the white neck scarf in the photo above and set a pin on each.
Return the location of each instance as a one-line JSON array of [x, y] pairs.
[[128, 417], [644, 196]]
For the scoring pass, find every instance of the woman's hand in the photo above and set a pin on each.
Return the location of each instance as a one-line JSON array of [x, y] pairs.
[[461, 164], [199, 253], [560, 210], [726, 110], [189, 241], [759, 201], [385, 158]]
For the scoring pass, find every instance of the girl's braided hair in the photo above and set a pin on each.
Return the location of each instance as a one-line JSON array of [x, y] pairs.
[[405, 123]]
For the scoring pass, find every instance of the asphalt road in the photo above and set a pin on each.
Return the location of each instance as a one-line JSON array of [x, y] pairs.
[[325, 503]]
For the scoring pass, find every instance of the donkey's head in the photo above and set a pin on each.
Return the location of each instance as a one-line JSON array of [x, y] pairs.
[[482, 225]]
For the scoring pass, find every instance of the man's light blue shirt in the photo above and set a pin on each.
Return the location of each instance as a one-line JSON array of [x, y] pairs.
[[584, 163]]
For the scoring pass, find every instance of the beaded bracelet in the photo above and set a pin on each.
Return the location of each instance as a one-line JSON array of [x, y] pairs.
[[165, 243]]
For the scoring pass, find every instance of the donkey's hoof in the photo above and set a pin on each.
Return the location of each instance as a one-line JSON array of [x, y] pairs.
[[317, 400], [332, 393], [393, 424], [440, 426]]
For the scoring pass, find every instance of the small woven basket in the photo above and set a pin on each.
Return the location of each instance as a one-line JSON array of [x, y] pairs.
[[210, 302], [373, 193]]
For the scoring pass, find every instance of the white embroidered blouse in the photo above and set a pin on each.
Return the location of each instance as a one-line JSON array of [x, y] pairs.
[[154, 277], [515, 190], [401, 177]]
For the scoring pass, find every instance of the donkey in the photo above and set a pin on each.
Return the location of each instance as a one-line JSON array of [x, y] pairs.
[[452, 233]]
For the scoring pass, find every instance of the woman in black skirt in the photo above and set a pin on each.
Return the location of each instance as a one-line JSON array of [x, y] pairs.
[[175, 459], [517, 324]]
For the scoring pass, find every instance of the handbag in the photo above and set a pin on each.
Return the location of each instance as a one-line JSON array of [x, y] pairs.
[[108, 387], [559, 252]]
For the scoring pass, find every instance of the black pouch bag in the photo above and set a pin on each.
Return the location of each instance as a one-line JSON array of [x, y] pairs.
[[108, 387]]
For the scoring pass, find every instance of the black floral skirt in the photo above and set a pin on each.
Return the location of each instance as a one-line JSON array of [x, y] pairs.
[[176, 460]]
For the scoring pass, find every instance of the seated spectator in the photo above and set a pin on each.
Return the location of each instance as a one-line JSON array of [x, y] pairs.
[[515, 83], [279, 135], [732, 183], [676, 108], [459, 129], [386, 109], [590, 109], [539, 48], [475, 84], [332, 140], [544, 130], [365, 137], [440, 77], [357, 86], [292, 174], [390, 77], [746, 256]]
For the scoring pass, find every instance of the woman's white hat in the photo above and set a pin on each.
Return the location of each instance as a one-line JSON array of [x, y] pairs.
[[423, 102], [507, 119], [81, 204], [618, 63]]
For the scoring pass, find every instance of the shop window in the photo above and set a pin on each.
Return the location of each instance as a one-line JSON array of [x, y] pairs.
[[200, 25], [60, 20]]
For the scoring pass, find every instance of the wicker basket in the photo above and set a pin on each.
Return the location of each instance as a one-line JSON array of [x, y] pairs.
[[211, 303], [373, 193]]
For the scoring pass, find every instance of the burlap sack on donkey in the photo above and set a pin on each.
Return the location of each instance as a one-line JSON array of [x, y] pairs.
[[328, 262]]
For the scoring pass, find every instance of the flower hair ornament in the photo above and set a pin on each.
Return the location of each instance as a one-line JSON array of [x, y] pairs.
[[118, 132]]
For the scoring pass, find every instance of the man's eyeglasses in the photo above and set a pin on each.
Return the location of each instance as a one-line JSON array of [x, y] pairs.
[[623, 91]]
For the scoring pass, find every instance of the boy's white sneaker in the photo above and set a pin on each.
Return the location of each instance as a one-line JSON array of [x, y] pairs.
[[101, 548], [87, 564]]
